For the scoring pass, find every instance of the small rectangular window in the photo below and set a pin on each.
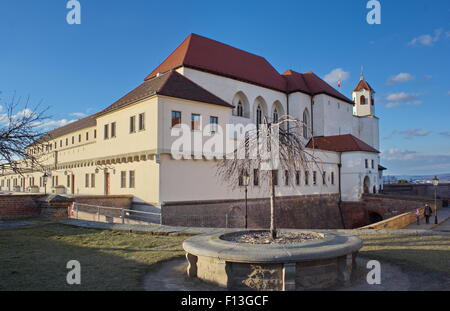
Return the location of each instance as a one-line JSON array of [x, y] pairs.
[[123, 179], [306, 178], [67, 141], [286, 178], [195, 122], [132, 181], [275, 177], [73, 140], [68, 180], [113, 129], [373, 164], [106, 131], [92, 180], [95, 134], [324, 178], [79, 138], [367, 163], [314, 178], [214, 122], [86, 181], [297, 178], [256, 177], [141, 121], [176, 118], [87, 136], [332, 178], [133, 124]]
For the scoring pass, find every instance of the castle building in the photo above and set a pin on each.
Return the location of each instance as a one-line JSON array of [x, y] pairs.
[[126, 147]]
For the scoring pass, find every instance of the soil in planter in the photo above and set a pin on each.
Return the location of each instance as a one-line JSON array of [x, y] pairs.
[[264, 237]]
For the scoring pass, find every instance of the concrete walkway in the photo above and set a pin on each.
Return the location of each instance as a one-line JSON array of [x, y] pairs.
[[443, 217]]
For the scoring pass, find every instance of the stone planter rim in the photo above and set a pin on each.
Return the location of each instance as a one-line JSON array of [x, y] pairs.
[[331, 246]]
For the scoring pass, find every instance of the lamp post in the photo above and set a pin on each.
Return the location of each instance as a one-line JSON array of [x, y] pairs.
[[246, 181], [435, 183], [44, 179]]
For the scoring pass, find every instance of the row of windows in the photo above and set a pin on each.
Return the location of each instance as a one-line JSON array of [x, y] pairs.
[[195, 121], [131, 179], [62, 143], [367, 163], [287, 178]]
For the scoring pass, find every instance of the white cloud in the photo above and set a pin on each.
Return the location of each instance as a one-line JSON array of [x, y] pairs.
[[448, 93], [335, 75], [428, 77], [51, 124], [402, 96], [78, 114], [409, 134], [392, 105], [427, 39], [404, 161], [401, 78], [416, 103]]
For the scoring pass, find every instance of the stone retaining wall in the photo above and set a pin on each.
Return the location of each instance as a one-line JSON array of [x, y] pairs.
[[297, 212], [18, 206]]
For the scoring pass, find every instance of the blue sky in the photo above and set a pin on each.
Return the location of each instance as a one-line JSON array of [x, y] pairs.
[[79, 69]]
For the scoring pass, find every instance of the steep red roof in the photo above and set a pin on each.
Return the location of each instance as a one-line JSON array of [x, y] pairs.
[[363, 85], [170, 84], [340, 143], [201, 53]]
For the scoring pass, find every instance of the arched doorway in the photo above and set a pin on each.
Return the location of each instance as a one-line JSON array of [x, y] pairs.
[[366, 185], [375, 217]]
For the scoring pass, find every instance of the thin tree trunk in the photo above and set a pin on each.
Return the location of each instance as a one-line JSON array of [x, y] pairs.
[[273, 231]]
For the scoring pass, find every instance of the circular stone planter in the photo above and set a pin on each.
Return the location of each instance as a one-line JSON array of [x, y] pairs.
[[315, 264]]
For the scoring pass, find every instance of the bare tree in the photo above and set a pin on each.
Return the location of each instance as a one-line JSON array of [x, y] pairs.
[[269, 147], [20, 127]]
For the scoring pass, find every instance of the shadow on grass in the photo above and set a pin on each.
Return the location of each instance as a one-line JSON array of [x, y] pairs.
[[36, 258]]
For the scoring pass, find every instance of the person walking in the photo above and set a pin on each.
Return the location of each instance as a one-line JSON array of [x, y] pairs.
[[427, 212], [418, 216]]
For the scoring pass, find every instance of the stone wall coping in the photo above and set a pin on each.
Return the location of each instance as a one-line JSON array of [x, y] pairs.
[[331, 246], [398, 197], [190, 231], [171, 203]]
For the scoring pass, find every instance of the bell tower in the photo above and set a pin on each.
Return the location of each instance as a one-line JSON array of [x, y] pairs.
[[363, 97]]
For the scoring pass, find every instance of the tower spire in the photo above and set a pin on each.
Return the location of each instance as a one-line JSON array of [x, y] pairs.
[[361, 77]]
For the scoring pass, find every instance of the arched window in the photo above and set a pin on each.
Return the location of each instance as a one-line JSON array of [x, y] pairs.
[[259, 119], [305, 123], [240, 109], [362, 100], [275, 115]]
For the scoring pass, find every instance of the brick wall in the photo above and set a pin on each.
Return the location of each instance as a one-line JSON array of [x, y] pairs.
[[302, 212], [119, 201], [18, 206], [358, 214]]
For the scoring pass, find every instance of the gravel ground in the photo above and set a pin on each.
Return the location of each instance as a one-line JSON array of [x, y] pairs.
[[264, 237]]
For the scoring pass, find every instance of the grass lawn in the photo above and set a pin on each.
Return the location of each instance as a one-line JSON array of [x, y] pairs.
[[422, 253], [35, 258]]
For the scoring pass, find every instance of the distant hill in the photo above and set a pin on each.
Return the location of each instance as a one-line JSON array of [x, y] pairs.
[[443, 178]]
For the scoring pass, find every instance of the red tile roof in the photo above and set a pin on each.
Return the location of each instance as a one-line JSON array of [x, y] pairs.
[[310, 83], [200, 53], [211, 56], [71, 127], [340, 143], [363, 85], [170, 84]]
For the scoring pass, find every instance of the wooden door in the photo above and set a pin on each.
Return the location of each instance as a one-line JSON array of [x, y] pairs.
[[107, 183]]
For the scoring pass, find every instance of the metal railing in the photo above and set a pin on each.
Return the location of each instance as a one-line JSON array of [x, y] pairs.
[[118, 212]]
